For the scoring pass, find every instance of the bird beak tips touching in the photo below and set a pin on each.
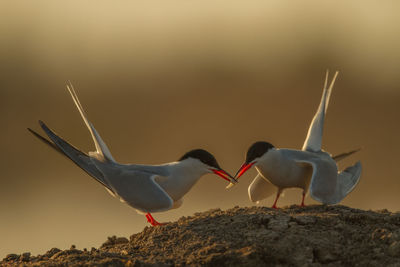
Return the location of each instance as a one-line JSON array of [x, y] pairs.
[[224, 175]]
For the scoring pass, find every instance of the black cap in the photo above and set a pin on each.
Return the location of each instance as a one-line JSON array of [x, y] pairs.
[[256, 150], [202, 155]]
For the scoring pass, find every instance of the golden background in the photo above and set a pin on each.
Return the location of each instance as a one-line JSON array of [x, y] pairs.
[[159, 78]]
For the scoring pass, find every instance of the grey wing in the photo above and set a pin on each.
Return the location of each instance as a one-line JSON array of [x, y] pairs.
[[77, 156], [138, 189], [323, 180], [313, 140], [260, 189], [347, 181]]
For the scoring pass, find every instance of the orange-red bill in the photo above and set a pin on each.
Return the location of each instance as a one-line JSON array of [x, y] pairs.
[[245, 167], [224, 175]]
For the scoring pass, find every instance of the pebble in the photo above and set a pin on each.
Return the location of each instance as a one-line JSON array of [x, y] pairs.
[[11, 257], [25, 256], [394, 249]]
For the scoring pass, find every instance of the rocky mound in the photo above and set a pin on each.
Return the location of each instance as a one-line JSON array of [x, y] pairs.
[[255, 236]]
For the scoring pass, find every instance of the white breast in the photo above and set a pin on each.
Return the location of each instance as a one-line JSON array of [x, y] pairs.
[[283, 171]]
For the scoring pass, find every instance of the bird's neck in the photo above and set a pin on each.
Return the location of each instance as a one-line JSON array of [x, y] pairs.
[[186, 172], [182, 177], [269, 161]]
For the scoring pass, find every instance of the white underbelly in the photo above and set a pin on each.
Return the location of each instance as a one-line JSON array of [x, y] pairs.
[[285, 173]]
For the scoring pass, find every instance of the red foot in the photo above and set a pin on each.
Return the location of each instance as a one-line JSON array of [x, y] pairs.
[[302, 201], [152, 221], [276, 200]]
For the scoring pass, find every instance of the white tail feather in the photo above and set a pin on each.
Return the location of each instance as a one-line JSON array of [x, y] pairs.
[[101, 148], [313, 140]]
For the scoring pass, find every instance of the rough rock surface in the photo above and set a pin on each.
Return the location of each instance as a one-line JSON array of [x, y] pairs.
[[255, 236]]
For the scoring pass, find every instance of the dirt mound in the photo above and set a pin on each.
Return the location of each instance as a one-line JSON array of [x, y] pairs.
[[255, 236]]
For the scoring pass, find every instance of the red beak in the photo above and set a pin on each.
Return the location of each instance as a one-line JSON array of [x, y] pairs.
[[245, 167], [224, 175]]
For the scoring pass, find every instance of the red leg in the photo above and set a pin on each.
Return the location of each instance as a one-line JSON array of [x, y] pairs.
[[147, 217], [152, 221], [276, 199], [302, 201]]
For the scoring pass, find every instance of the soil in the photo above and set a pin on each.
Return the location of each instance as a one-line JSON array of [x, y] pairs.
[[255, 236]]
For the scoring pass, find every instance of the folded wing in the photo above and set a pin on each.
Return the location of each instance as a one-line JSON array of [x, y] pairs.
[[260, 189], [136, 188], [323, 180], [324, 173]]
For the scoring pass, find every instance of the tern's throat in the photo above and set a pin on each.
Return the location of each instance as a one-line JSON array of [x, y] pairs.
[[183, 176]]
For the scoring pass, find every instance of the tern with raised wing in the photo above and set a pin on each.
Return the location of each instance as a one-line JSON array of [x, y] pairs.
[[310, 169], [146, 188]]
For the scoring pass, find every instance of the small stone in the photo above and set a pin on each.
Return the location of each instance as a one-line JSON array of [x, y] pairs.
[[394, 249], [121, 240], [52, 251], [25, 256], [11, 257], [383, 211], [73, 247], [339, 226], [278, 224], [55, 256], [302, 257], [380, 234], [110, 241], [324, 255]]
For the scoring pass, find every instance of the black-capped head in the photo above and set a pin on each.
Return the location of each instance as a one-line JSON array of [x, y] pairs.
[[257, 150], [208, 159], [202, 155]]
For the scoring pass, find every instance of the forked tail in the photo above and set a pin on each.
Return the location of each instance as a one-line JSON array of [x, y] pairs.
[[68, 150], [313, 140], [102, 151]]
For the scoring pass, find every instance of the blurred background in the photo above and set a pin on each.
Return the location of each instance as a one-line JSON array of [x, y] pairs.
[[159, 78]]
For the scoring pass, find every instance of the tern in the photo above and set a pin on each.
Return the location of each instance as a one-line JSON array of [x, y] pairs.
[[309, 169], [146, 188]]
